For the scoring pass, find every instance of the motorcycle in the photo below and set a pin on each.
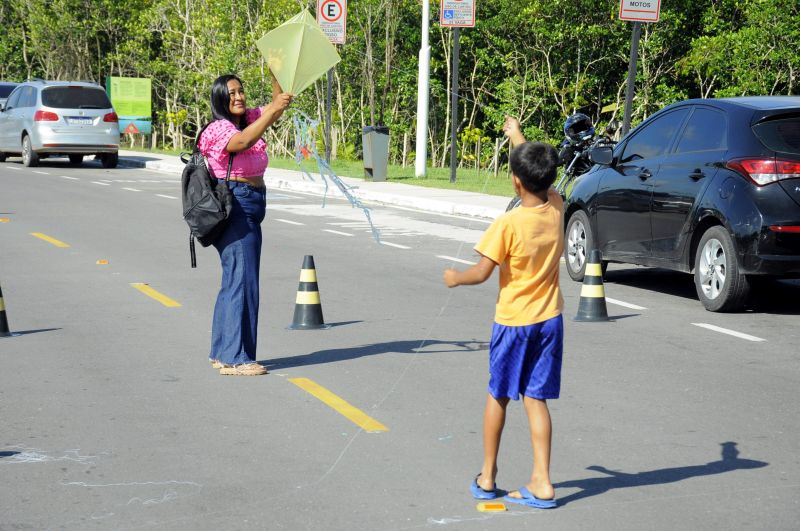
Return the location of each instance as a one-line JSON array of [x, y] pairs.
[[573, 153]]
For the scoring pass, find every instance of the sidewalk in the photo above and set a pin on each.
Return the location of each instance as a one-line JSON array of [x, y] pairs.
[[436, 200]]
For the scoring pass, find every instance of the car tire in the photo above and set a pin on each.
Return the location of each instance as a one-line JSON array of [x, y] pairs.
[[719, 284], [29, 156], [109, 160], [578, 243], [75, 160], [2, 157], [514, 203]]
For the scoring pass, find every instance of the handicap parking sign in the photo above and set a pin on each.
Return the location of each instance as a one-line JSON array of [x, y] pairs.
[[448, 13]]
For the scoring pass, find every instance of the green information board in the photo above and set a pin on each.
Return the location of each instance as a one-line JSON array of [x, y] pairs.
[[131, 98]]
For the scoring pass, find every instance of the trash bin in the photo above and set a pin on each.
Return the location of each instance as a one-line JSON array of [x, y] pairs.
[[376, 151]]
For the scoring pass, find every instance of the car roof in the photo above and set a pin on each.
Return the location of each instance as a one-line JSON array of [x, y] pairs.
[[756, 103], [42, 83]]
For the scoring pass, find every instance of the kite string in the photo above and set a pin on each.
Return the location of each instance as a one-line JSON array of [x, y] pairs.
[[302, 140]]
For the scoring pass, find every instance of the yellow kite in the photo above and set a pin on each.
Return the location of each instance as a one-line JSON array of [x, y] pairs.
[[298, 52]]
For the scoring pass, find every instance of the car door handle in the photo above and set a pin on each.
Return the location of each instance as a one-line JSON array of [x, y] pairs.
[[697, 175], [645, 174]]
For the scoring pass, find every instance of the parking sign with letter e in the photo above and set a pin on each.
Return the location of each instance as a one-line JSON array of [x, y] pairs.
[[332, 19]]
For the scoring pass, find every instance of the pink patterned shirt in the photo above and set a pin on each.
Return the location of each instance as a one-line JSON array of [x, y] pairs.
[[251, 162]]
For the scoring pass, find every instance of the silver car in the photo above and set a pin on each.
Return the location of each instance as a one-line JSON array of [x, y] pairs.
[[48, 118]]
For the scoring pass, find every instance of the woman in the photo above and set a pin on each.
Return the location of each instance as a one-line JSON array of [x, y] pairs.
[[237, 130]]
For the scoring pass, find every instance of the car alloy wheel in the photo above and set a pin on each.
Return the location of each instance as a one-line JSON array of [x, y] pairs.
[[29, 157], [713, 268], [719, 284], [576, 245]]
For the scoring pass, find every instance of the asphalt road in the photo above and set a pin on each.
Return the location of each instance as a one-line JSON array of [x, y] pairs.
[[671, 417]]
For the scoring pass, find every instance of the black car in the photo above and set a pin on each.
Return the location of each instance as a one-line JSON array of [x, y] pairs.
[[710, 186]]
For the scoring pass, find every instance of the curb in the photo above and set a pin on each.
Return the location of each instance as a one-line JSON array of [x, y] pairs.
[[317, 187]]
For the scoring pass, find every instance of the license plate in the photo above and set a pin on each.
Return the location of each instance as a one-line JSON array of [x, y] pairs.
[[79, 120]]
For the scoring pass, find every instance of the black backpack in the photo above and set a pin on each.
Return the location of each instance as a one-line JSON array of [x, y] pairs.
[[207, 202]]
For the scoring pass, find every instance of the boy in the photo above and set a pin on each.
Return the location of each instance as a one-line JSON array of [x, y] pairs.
[[527, 336]]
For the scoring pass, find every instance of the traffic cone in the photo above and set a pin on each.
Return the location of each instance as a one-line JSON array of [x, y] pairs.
[[307, 308], [592, 305], [4, 331]]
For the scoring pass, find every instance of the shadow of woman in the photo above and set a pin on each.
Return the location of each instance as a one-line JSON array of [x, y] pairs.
[[620, 480]]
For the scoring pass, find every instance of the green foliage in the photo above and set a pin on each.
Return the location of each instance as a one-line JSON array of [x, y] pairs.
[[539, 60]]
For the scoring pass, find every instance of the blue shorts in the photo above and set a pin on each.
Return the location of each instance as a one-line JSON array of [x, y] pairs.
[[526, 360]]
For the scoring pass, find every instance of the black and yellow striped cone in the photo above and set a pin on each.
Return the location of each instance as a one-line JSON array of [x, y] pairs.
[[307, 308], [4, 331], [592, 305]]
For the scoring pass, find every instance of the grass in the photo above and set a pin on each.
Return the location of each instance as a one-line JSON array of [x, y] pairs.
[[467, 179]]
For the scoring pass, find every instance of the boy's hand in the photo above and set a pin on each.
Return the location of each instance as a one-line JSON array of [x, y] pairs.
[[450, 278], [512, 130]]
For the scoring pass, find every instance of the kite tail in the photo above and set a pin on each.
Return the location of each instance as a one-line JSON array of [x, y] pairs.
[[306, 147]]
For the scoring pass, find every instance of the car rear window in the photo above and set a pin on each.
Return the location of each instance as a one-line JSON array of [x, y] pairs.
[[76, 97], [5, 90], [781, 135]]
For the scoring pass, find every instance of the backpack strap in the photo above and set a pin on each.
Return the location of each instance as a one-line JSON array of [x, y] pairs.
[[191, 249]]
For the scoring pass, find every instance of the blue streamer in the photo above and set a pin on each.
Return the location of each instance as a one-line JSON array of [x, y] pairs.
[[304, 128]]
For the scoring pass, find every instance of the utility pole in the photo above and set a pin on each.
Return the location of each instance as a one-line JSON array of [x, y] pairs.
[[422, 94], [454, 105]]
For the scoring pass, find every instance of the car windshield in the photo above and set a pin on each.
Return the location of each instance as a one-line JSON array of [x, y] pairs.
[[75, 97], [781, 135], [5, 90]]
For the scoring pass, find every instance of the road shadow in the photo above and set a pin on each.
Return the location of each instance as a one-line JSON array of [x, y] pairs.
[[729, 462], [416, 346], [766, 296], [25, 332]]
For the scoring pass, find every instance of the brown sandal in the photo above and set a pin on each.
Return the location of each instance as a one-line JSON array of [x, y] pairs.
[[243, 369]]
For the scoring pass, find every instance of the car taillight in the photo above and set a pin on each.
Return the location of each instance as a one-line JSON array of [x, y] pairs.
[[795, 229], [766, 171], [45, 116], [111, 117]]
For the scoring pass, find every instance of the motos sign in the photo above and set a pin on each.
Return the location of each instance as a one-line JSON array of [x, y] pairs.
[[640, 10]]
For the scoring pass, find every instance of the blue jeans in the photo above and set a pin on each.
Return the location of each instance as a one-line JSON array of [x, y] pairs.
[[235, 325]]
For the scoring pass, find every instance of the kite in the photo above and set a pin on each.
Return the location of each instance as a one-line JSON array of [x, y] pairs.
[[298, 52], [305, 146]]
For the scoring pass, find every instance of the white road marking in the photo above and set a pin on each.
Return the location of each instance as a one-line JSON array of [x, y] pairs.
[[12, 167], [625, 304], [40, 172], [390, 244], [337, 232], [70, 178], [733, 333], [167, 196], [289, 222], [131, 189], [459, 260], [101, 184]]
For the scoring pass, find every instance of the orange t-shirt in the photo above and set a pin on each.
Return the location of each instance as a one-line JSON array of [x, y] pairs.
[[527, 243]]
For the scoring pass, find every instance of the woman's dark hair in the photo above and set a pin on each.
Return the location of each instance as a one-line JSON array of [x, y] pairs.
[[535, 164], [221, 101]]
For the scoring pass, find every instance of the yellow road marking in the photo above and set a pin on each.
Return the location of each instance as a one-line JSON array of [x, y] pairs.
[[4, 220], [355, 415], [160, 297], [45, 237]]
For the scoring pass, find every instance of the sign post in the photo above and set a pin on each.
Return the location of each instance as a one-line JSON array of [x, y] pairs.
[[637, 11], [456, 14], [332, 19], [423, 75]]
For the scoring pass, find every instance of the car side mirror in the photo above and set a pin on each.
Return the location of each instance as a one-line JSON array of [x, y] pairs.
[[601, 155]]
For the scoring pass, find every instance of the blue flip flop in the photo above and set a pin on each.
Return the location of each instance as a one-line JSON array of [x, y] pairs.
[[479, 493], [530, 500]]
